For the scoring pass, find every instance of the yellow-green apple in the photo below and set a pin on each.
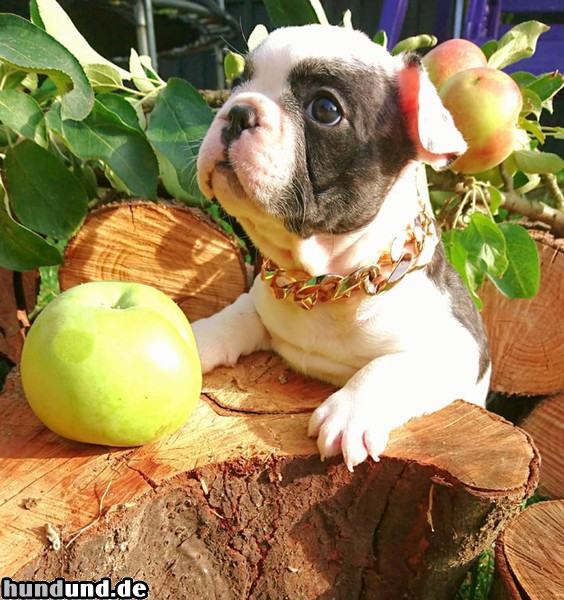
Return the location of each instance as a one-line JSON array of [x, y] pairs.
[[111, 363], [485, 104], [452, 57]]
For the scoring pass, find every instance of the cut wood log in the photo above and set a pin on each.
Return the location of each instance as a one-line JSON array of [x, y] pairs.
[[529, 555], [14, 306], [171, 247], [237, 503], [527, 336], [546, 426]]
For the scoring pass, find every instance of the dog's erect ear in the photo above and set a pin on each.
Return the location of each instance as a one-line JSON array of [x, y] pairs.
[[430, 125]]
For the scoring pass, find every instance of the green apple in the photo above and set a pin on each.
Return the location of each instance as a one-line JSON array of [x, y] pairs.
[[111, 363], [485, 104], [451, 57]]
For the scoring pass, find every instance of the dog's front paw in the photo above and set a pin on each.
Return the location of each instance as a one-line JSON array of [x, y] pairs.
[[213, 347], [233, 332], [345, 424]]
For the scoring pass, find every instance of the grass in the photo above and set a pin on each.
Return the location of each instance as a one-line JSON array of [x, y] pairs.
[[478, 582]]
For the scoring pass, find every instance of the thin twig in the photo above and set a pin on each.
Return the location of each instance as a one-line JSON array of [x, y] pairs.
[[554, 190], [510, 200], [93, 522]]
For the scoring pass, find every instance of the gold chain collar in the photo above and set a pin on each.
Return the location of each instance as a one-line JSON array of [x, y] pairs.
[[395, 262]]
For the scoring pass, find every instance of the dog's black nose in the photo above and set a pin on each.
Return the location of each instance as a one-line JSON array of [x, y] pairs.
[[240, 117]]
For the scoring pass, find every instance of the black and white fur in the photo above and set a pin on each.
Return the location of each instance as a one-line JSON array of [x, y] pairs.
[[316, 154]]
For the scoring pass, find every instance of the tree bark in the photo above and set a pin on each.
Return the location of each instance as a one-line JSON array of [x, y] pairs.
[[237, 504], [527, 336], [15, 303], [171, 247], [530, 555]]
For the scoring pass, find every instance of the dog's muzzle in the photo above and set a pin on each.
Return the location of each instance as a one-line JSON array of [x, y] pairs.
[[239, 118]]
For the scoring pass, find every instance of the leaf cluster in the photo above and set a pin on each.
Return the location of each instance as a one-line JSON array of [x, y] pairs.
[[73, 124], [482, 238]]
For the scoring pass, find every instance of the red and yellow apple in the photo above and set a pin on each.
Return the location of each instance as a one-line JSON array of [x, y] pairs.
[[485, 104], [452, 57], [111, 363]]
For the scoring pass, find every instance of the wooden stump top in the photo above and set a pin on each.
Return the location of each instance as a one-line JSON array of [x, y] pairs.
[[527, 336], [174, 248], [530, 554]]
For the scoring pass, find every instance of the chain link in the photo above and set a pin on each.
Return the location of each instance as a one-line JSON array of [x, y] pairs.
[[393, 264]]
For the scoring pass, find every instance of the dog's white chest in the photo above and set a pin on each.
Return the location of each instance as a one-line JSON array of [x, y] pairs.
[[334, 340]]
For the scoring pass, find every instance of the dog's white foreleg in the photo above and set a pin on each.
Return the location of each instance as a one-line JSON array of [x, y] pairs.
[[233, 332], [357, 419]]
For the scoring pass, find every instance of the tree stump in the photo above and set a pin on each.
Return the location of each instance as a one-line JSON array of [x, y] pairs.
[[527, 336], [237, 503], [14, 306], [169, 246], [546, 425], [530, 555]]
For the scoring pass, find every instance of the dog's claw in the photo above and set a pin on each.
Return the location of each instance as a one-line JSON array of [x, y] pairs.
[[342, 426]]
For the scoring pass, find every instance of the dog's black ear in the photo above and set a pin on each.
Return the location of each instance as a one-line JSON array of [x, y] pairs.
[[430, 125]]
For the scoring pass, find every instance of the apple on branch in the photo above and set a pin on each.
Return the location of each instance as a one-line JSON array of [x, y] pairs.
[[485, 104], [452, 57], [111, 363]]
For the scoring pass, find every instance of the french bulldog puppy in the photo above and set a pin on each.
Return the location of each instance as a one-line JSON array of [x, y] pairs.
[[316, 154]]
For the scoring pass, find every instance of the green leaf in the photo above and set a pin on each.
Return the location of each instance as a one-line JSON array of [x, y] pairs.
[[139, 76], [20, 112], [121, 108], [546, 87], [495, 198], [533, 127], [169, 178], [8, 136], [57, 23], [123, 149], [87, 177], [518, 43], [485, 245], [20, 248], [413, 43], [457, 255], [178, 124], [103, 78], [29, 48], [531, 183], [530, 161], [295, 12], [489, 48], [233, 65], [522, 276], [532, 104], [11, 77], [523, 79], [381, 38], [45, 195]]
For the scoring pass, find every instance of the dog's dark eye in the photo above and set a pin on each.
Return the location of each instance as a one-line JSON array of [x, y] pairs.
[[324, 110]]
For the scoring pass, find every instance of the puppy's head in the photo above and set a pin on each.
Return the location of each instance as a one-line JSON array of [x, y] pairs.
[[320, 127]]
